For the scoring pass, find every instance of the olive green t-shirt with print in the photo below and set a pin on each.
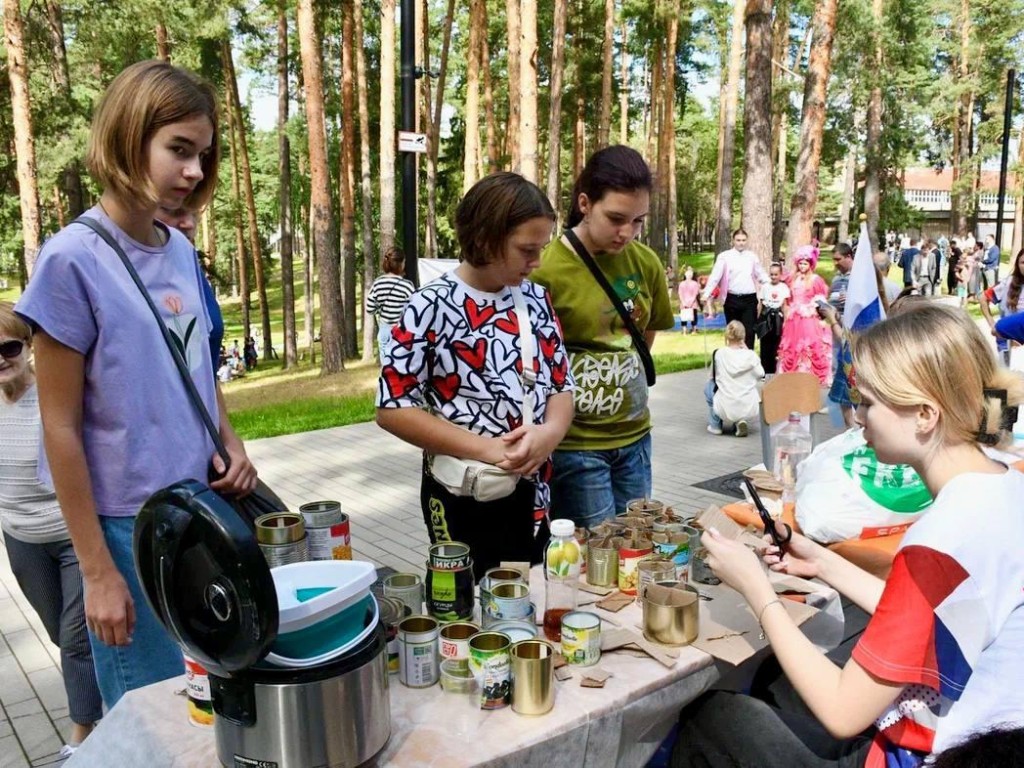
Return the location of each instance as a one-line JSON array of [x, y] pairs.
[[611, 387]]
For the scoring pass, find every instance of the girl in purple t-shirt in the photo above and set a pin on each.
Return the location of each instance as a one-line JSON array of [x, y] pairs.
[[118, 424]]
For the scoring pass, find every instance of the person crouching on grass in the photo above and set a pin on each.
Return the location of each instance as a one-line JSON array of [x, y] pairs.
[[732, 391]]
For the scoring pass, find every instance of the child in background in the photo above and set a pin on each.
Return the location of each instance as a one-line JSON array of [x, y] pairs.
[[771, 313], [689, 297]]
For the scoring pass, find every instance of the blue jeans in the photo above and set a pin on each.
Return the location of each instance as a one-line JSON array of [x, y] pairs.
[[591, 486], [714, 419], [152, 655]]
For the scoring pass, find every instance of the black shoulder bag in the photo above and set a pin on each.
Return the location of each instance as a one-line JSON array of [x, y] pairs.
[[638, 338], [261, 500]]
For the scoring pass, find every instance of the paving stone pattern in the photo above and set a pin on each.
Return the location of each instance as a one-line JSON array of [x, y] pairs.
[[376, 478]]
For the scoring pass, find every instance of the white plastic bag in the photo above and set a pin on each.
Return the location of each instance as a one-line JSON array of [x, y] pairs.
[[844, 492]]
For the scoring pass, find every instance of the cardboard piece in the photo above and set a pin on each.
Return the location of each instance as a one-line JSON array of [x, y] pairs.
[[621, 637], [595, 590], [728, 627], [586, 682], [714, 517], [563, 673], [661, 595], [596, 674], [615, 603]]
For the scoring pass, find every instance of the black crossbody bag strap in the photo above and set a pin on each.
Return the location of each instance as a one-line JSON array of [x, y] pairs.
[[638, 338], [179, 361]]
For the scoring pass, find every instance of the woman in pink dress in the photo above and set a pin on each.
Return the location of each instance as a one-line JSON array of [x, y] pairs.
[[689, 293], [806, 340]]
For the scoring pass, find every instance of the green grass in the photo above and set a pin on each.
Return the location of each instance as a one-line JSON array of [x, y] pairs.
[[303, 415]]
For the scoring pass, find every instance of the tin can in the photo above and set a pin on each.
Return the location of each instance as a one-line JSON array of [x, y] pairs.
[[494, 576], [603, 561], [509, 600], [516, 629], [455, 639], [282, 538], [450, 593], [533, 677], [492, 622], [581, 638], [449, 556], [651, 507], [407, 587], [675, 547], [392, 611], [197, 686], [630, 555], [417, 651], [328, 530], [654, 569], [491, 664]]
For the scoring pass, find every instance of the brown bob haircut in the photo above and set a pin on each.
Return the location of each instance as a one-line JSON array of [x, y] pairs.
[[492, 208], [138, 102]]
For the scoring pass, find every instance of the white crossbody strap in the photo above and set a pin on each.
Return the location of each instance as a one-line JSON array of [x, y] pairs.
[[526, 347]]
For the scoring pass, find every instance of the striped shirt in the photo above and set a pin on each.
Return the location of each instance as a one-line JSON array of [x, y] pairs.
[[387, 298], [28, 509]]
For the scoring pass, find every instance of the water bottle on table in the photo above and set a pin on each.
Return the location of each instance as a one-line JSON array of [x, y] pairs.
[[792, 446], [561, 576]]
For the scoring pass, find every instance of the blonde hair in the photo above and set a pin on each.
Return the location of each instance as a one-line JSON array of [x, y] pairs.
[[12, 325], [929, 352], [734, 332], [142, 99]]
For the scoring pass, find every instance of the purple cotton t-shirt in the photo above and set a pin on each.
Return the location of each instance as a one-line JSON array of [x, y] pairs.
[[140, 430]]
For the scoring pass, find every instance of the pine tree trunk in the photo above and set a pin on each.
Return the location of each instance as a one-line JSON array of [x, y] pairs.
[[757, 130], [491, 120], [250, 200], [780, 119], [962, 126], [849, 188], [723, 222], [812, 126], [512, 17], [236, 205], [624, 90], [210, 237], [555, 111], [72, 176], [434, 140], [528, 87], [668, 137], [657, 70], [872, 147], [284, 168], [472, 116], [163, 46], [723, 91], [387, 125], [365, 184], [347, 180], [324, 238], [607, 50], [24, 137], [306, 224]]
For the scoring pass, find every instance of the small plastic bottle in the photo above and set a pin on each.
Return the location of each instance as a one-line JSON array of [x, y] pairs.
[[792, 445], [561, 577]]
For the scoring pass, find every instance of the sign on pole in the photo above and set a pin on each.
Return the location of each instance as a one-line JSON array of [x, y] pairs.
[[409, 141]]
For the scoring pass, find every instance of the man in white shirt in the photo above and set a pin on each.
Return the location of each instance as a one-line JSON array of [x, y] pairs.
[[738, 274]]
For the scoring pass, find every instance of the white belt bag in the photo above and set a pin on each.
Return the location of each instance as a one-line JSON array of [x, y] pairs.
[[483, 481]]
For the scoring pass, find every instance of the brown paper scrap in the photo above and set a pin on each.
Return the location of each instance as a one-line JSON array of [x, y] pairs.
[[586, 682], [615, 603], [596, 674], [595, 590], [563, 673], [559, 661]]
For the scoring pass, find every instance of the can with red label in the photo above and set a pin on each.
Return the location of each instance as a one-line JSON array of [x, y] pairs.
[[631, 552], [328, 531], [197, 687]]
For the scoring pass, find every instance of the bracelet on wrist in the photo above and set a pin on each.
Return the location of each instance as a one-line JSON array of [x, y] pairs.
[[765, 607]]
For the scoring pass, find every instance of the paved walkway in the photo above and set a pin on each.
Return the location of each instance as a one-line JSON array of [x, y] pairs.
[[376, 478]]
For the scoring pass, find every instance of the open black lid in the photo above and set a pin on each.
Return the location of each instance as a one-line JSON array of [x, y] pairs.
[[205, 577]]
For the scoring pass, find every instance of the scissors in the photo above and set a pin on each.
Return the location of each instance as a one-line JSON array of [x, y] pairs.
[[770, 526]]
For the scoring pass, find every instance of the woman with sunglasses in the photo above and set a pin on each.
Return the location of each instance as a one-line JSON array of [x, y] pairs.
[[35, 534]]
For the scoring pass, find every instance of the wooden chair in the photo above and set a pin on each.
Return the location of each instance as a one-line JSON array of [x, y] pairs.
[[783, 394]]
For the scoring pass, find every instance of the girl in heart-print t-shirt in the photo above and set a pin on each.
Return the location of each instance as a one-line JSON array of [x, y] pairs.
[[456, 350]]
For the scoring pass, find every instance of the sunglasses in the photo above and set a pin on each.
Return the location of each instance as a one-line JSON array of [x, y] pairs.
[[11, 349]]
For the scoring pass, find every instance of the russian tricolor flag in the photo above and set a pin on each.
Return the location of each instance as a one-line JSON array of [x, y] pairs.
[[863, 305]]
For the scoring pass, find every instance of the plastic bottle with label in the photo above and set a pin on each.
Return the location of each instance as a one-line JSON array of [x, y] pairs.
[[561, 576], [792, 446]]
